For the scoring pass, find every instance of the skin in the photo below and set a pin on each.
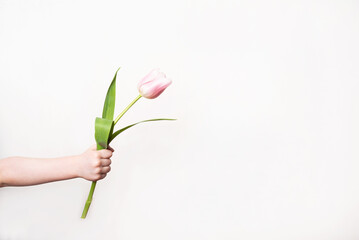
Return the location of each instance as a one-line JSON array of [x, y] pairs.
[[91, 165]]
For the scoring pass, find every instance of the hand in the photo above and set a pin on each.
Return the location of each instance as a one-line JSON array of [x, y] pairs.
[[94, 164]]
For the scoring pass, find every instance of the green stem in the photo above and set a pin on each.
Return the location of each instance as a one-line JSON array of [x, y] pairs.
[[89, 200], [126, 109]]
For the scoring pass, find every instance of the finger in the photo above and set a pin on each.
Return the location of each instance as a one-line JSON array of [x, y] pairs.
[[105, 153], [110, 148], [102, 176], [106, 169], [106, 162]]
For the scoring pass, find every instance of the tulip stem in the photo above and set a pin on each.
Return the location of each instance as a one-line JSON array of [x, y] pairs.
[[126, 109], [89, 200]]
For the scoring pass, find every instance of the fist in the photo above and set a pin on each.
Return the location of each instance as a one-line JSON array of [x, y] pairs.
[[94, 164]]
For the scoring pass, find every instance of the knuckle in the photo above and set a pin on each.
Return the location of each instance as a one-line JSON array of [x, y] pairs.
[[97, 163], [97, 170]]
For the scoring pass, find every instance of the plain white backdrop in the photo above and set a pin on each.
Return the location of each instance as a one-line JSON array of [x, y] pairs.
[[266, 96]]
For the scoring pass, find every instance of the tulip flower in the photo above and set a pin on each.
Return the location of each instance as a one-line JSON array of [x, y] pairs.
[[151, 86]]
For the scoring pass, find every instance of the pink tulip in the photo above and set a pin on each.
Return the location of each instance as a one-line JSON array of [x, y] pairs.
[[153, 84]]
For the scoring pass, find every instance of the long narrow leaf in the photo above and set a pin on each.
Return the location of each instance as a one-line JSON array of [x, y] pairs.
[[129, 126], [103, 130], [109, 105]]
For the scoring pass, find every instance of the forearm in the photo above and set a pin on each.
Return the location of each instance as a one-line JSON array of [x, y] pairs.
[[21, 171]]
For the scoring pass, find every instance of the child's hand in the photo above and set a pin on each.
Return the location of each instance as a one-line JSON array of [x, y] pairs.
[[94, 165]]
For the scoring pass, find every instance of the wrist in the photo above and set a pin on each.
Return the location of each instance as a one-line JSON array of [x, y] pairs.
[[76, 166]]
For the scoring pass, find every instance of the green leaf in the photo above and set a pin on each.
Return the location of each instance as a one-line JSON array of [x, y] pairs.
[[129, 126], [109, 105], [103, 130]]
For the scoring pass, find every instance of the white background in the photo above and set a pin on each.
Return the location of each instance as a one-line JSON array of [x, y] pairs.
[[266, 96]]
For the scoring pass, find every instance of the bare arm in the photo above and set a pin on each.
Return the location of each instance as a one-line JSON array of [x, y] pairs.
[[92, 165]]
